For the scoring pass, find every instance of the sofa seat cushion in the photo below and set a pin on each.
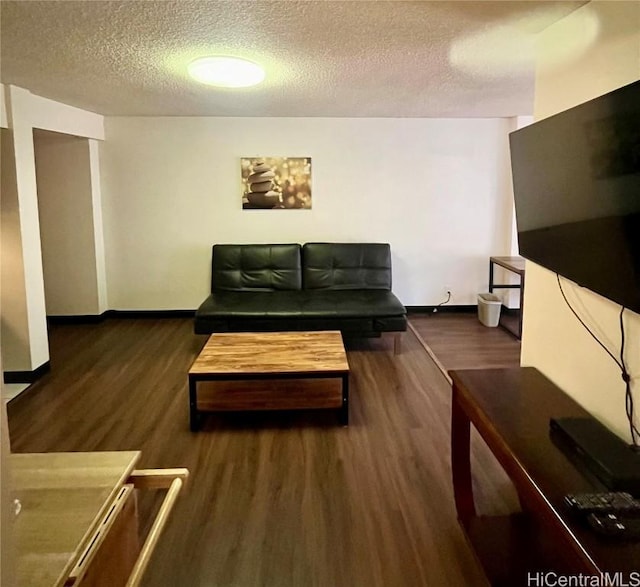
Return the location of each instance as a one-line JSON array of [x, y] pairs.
[[301, 303], [351, 303], [252, 304]]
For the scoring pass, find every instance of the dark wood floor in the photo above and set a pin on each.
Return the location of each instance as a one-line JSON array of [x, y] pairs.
[[278, 499], [460, 341]]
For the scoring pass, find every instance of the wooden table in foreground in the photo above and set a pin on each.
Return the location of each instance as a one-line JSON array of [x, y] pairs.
[[78, 524], [511, 409], [270, 371]]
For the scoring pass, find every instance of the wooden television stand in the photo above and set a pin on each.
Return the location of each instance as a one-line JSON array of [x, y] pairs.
[[511, 409]]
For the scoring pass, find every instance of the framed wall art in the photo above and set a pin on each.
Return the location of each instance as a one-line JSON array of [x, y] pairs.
[[276, 183]]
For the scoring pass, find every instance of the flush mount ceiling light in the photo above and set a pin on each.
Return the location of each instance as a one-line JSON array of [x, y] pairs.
[[226, 72]]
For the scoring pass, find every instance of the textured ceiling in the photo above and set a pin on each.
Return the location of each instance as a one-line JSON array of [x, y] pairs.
[[323, 58]]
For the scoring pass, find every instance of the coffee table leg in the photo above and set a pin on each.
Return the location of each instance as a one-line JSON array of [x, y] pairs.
[[344, 410], [194, 416]]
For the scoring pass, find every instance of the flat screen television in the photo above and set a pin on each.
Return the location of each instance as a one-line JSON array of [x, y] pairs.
[[576, 180]]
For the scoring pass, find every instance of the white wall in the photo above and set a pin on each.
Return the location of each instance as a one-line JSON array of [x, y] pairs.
[[26, 290], [7, 508], [511, 297], [47, 114], [25, 341], [553, 341], [437, 190], [57, 117], [65, 205], [4, 123], [98, 229], [15, 324]]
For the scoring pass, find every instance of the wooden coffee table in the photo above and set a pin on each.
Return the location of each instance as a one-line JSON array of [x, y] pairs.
[[270, 371]]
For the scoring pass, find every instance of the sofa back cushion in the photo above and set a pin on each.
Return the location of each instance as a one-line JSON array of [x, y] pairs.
[[256, 267], [346, 266]]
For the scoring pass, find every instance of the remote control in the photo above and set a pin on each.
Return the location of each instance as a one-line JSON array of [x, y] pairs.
[[602, 503], [615, 526]]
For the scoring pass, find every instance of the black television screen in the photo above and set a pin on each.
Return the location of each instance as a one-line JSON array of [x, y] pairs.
[[576, 180]]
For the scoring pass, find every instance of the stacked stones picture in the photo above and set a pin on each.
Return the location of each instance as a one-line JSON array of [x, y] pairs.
[[276, 183]]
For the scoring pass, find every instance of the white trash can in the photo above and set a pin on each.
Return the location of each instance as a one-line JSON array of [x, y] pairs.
[[489, 309]]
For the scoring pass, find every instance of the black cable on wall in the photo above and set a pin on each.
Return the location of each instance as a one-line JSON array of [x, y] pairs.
[[626, 378]]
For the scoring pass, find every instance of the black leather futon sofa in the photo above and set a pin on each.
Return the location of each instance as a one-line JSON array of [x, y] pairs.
[[289, 287]]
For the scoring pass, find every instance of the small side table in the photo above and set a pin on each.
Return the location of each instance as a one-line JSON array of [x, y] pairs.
[[515, 265]]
